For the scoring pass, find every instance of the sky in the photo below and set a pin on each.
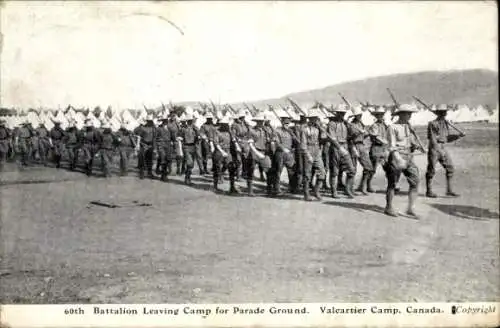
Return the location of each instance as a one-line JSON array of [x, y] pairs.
[[126, 54]]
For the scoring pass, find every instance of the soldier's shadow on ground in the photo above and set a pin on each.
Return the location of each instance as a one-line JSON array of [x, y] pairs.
[[197, 185], [466, 211], [357, 206]]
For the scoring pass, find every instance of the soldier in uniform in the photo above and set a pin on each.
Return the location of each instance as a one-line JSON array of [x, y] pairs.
[[299, 124], [270, 148], [174, 128], [310, 152], [24, 142], [43, 143], [223, 156], [126, 145], [208, 131], [56, 136], [401, 145], [89, 139], [107, 141], [189, 136], [146, 141], [260, 138], [340, 160], [438, 133], [357, 139], [284, 155], [241, 130], [378, 149], [5, 137], [70, 144], [164, 144]]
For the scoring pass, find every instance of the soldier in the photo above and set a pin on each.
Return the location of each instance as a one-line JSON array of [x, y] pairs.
[[284, 155], [89, 139], [208, 131], [146, 141], [325, 151], [56, 136], [5, 137], [189, 136], [299, 123], [174, 128], [107, 141], [223, 156], [438, 134], [126, 145], [378, 149], [270, 132], [401, 145], [340, 160], [70, 144], [241, 130], [23, 141], [260, 138], [311, 154], [164, 144], [43, 144], [357, 137]]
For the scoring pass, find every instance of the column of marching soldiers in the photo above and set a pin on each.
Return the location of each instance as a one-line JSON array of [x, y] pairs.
[[317, 157]]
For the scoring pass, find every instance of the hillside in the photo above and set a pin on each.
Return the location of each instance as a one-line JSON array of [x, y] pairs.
[[471, 87]]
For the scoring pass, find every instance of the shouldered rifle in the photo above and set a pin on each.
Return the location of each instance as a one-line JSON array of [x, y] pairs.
[[447, 122], [296, 106], [345, 100]]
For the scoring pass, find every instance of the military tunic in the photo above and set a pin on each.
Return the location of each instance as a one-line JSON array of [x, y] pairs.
[[310, 145], [340, 162], [284, 156], [5, 138], [107, 144], [438, 134], [147, 134], [70, 141], [357, 138], [126, 145]]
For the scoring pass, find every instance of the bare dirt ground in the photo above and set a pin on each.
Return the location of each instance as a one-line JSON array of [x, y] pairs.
[[192, 245]]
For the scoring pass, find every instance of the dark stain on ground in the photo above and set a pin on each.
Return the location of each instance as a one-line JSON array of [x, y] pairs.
[[468, 212]]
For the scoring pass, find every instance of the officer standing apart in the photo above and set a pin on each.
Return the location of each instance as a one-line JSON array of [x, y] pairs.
[[438, 133], [401, 145]]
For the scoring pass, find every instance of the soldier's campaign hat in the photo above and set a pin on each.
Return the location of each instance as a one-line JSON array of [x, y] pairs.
[[224, 120], [124, 124], [241, 113], [150, 118], [405, 108], [313, 112], [342, 108], [56, 121], [282, 114], [259, 117], [88, 122], [378, 110], [106, 125], [209, 115], [188, 117], [441, 108], [356, 110]]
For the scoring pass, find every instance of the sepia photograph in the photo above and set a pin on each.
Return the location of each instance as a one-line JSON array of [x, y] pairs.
[[201, 152]]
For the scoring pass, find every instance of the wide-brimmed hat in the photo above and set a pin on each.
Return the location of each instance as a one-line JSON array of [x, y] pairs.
[[356, 110], [406, 108], [342, 108], [313, 112], [224, 120], [150, 118], [105, 125], [378, 110], [259, 117], [282, 114], [241, 113], [188, 117], [56, 121], [441, 108], [88, 122], [209, 115]]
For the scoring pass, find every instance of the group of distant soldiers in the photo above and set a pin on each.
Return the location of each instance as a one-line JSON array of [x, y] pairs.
[[316, 156]]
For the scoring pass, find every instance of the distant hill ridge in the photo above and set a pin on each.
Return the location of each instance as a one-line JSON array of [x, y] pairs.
[[469, 87]]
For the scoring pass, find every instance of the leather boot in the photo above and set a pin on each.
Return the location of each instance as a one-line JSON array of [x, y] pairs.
[[449, 189], [307, 196], [362, 184], [250, 187], [349, 184], [333, 187], [369, 187], [317, 187], [429, 193], [233, 189]]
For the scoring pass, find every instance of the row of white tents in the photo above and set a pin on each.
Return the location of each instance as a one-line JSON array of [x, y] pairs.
[[462, 113]]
